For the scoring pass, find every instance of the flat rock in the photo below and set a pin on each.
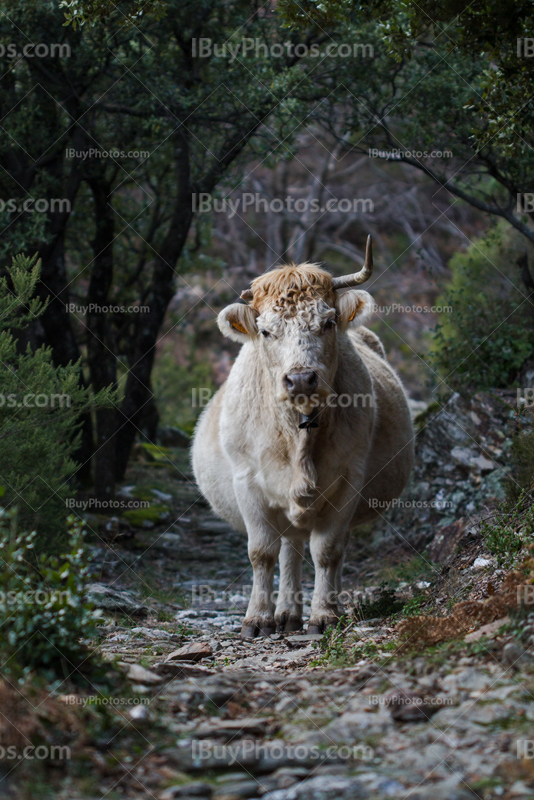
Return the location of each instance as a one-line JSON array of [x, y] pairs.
[[471, 679], [303, 638], [323, 787], [489, 630], [155, 633], [194, 651], [105, 597], [446, 540], [231, 728], [408, 706], [184, 670], [138, 674], [196, 789]]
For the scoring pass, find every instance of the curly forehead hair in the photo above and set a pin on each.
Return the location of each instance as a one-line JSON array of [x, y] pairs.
[[288, 286]]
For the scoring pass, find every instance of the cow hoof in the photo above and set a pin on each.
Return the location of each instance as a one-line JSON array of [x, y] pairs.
[[288, 624], [321, 626], [261, 627]]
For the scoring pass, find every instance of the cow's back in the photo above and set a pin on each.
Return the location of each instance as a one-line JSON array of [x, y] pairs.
[[211, 468]]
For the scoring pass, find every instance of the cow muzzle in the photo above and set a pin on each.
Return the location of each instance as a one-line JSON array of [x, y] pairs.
[[302, 390], [301, 384]]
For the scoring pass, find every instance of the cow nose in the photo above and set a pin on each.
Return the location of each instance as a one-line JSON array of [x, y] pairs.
[[300, 383]]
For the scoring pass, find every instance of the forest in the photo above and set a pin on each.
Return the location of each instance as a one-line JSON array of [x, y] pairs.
[[190, 191]]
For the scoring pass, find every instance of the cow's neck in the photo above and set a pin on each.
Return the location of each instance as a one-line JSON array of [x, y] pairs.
[[300, 446]]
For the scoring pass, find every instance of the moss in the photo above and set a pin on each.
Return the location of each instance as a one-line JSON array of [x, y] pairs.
[[156, 452], [138, 516]]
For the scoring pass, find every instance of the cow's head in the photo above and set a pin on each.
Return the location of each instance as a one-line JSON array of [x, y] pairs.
[[294, 318]]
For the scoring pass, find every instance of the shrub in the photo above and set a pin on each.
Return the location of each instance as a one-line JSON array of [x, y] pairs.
[[510, 529], [489, 334], [522, 462], [44, 616], [40, 408]]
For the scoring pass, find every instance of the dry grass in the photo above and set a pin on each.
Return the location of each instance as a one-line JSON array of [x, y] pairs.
[[424, 630], [30, 717]]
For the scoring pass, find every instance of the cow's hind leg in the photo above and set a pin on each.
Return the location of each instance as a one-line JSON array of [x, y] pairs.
[[288, 614], [263, 549]]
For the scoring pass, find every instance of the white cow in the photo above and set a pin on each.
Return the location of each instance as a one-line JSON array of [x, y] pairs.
[[309, 436]]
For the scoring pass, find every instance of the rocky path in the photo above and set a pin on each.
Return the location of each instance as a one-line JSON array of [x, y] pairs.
[[296, 716]]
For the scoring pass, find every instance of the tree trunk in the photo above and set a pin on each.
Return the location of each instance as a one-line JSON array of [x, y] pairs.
[[101, 340], [138, 392], [59, 335]]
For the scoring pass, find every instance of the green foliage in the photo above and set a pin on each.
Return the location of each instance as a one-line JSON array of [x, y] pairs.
[[174, 385], [333, 646], [385, 605], [40, 406], [522, 464], [413, 607], [510, 529], [82, 12], [489, 30], [485, 340], [43, 612], [154, 514]]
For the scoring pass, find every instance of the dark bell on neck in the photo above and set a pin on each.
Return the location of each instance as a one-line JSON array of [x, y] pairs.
[[308, 421]]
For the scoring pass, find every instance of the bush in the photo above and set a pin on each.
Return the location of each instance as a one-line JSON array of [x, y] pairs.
[[522, 462], [40, 408], [489, 334], [44, 615], [174, 385], [510, 530]]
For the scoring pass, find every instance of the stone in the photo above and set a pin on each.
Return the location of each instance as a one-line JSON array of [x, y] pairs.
[[471, 679], [446, 540], [232, 728], [196, 789], [139, 714], [451, 789], [109, 599], [240, 789], [482, 563], [520, 789], [349, 727], [168, 541], [323, 787], [303, 638], [488, 630], [408, 706], [195, 651], [515, 656], [484, 464], [137, 673], [168, 669], [154, 633], [463, 455]]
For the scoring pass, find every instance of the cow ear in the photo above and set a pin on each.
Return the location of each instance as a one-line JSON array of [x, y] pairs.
[[354, 307], [238, 322]]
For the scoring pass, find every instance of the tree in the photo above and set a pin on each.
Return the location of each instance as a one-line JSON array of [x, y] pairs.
[[40, 409], [125, 221], [441, 81]]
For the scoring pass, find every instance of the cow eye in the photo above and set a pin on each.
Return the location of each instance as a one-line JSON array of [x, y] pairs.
[[265, 333], [329, 324]]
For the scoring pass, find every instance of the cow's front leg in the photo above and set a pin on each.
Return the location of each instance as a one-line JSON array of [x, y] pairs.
[[327, 550], [288, 614], [263, 549]]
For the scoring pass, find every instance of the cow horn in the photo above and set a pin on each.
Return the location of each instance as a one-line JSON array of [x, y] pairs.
[[247, 294], [357, 277]]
